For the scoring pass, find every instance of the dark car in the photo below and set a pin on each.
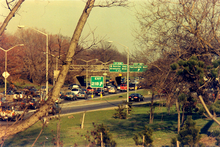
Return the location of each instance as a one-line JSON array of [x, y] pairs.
[[70, 96], [136, 97], [82, 95], [55, 109], [100, 91], [34, 103], [90, 90], [84, 90], [132, 86]]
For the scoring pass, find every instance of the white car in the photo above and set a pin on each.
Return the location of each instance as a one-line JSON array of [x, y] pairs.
[[112, 89], [18, 95], [76, 90]]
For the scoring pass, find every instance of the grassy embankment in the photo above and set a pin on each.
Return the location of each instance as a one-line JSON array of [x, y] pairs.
[[164, 126]]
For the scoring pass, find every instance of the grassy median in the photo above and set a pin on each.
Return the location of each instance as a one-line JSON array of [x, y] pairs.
[[164, 126]]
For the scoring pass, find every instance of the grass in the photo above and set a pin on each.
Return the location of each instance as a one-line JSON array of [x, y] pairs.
[[164, 126], [122, 96]]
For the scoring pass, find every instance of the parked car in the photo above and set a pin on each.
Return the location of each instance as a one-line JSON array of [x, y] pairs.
[[90, 90], [55, 109], [76, 90], [82, 94], [70, 96], [112, 89], [136, 97], [100, 91]]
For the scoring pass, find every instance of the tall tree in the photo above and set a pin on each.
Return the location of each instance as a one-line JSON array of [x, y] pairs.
[[174, 30], [42, 111]]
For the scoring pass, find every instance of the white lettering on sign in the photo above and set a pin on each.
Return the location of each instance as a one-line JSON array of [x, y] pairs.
[[97, 78]]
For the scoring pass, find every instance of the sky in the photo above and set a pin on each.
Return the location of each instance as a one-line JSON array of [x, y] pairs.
[[61, 16]]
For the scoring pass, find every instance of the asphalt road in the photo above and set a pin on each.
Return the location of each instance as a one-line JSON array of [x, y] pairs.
[[81, 105]]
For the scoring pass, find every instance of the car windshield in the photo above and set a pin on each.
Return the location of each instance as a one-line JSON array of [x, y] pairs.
[[75, 89]]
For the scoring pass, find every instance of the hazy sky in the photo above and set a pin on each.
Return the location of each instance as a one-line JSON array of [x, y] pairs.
[[61, 17]]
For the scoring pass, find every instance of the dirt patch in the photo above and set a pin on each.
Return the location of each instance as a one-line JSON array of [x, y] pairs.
[[208, 141]]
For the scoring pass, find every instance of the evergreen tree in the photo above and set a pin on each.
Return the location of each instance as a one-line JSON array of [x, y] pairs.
[[189, 133], [147, 134]]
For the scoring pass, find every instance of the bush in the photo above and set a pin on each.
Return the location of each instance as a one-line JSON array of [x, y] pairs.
[[147, 134], [189, 133], [121, 111]]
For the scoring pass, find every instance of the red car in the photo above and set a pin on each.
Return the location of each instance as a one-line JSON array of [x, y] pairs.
[[90, 90], [123, 87]]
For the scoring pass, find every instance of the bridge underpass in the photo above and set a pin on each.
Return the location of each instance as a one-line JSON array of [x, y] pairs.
[[80, 72]]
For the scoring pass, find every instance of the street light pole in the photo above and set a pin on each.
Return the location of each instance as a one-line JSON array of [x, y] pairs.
[[87, 68], [21, 26], [5, 76], [127, 68], [105, 71]]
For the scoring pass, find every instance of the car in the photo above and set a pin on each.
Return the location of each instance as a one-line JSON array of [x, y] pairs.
[[70, 96], [112, 89], [43, 88], [118, 87], [90, 90], [136, 97], [61, 95], [18, 95], [100, 91], [76, 90], [123, 87], [106, 88], [55, 109], [34, 103], [132, 86], [82, 94], [76, 86], [84, 90]]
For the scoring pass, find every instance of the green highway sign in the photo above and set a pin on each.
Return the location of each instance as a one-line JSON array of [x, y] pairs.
[[118, 63], [117, 68], [136, 67], [97, 82]]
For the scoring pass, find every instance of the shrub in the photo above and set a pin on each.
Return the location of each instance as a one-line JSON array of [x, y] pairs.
[[147, 134], [189, 133]]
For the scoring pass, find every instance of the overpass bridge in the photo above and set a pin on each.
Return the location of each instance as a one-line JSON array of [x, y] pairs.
[[80, 72]]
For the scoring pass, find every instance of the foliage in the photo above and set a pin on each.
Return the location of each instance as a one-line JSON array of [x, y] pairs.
[[147, 134], [189, 133], [107, 137], [121, 111]]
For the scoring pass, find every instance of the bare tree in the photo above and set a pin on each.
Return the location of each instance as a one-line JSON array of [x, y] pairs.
[[42, 111], [174, 30]]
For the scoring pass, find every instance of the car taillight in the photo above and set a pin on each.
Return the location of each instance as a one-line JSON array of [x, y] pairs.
[[135, 97], [129, 96]]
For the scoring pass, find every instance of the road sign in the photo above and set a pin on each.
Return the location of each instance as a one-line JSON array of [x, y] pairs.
[[97, 82], [117, 68], [5, 74], [118, 63], [136, 68]]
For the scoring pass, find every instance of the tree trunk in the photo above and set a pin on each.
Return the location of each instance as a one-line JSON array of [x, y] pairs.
[[10, 15], [151, 109], [207, 110], [183, 114], [178, 121], [43, 110]]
